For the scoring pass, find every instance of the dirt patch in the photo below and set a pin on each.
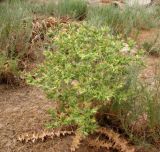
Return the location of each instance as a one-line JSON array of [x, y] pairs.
[[147, 36], [151, 69], [22, 110]]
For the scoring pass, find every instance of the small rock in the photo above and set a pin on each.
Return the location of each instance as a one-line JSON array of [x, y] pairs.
[[74, 83], [125, 50], [133, 51]]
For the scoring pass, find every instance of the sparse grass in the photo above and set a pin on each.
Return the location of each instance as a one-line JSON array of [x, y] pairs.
[[15, 30], [73, 8], [13, 17], [8, 70], [152, 47], [43, 8], [139, 113], [123, 21]]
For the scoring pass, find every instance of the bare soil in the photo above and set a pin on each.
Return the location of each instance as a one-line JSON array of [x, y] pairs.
[[147, 35], [22, 110]]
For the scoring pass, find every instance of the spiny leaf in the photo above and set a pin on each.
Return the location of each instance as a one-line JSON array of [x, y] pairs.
[[100, 143], [76, 141], [26, 137], [119, 143]]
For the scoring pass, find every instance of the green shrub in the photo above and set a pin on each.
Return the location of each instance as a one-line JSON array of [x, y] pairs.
[[82, 74]]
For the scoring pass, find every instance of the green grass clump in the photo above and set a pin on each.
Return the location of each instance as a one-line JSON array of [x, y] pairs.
[[73, 8], [43, 8], [13, 16], [15, 31]]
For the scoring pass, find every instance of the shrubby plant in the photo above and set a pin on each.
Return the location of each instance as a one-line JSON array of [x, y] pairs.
[[83, 73]]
